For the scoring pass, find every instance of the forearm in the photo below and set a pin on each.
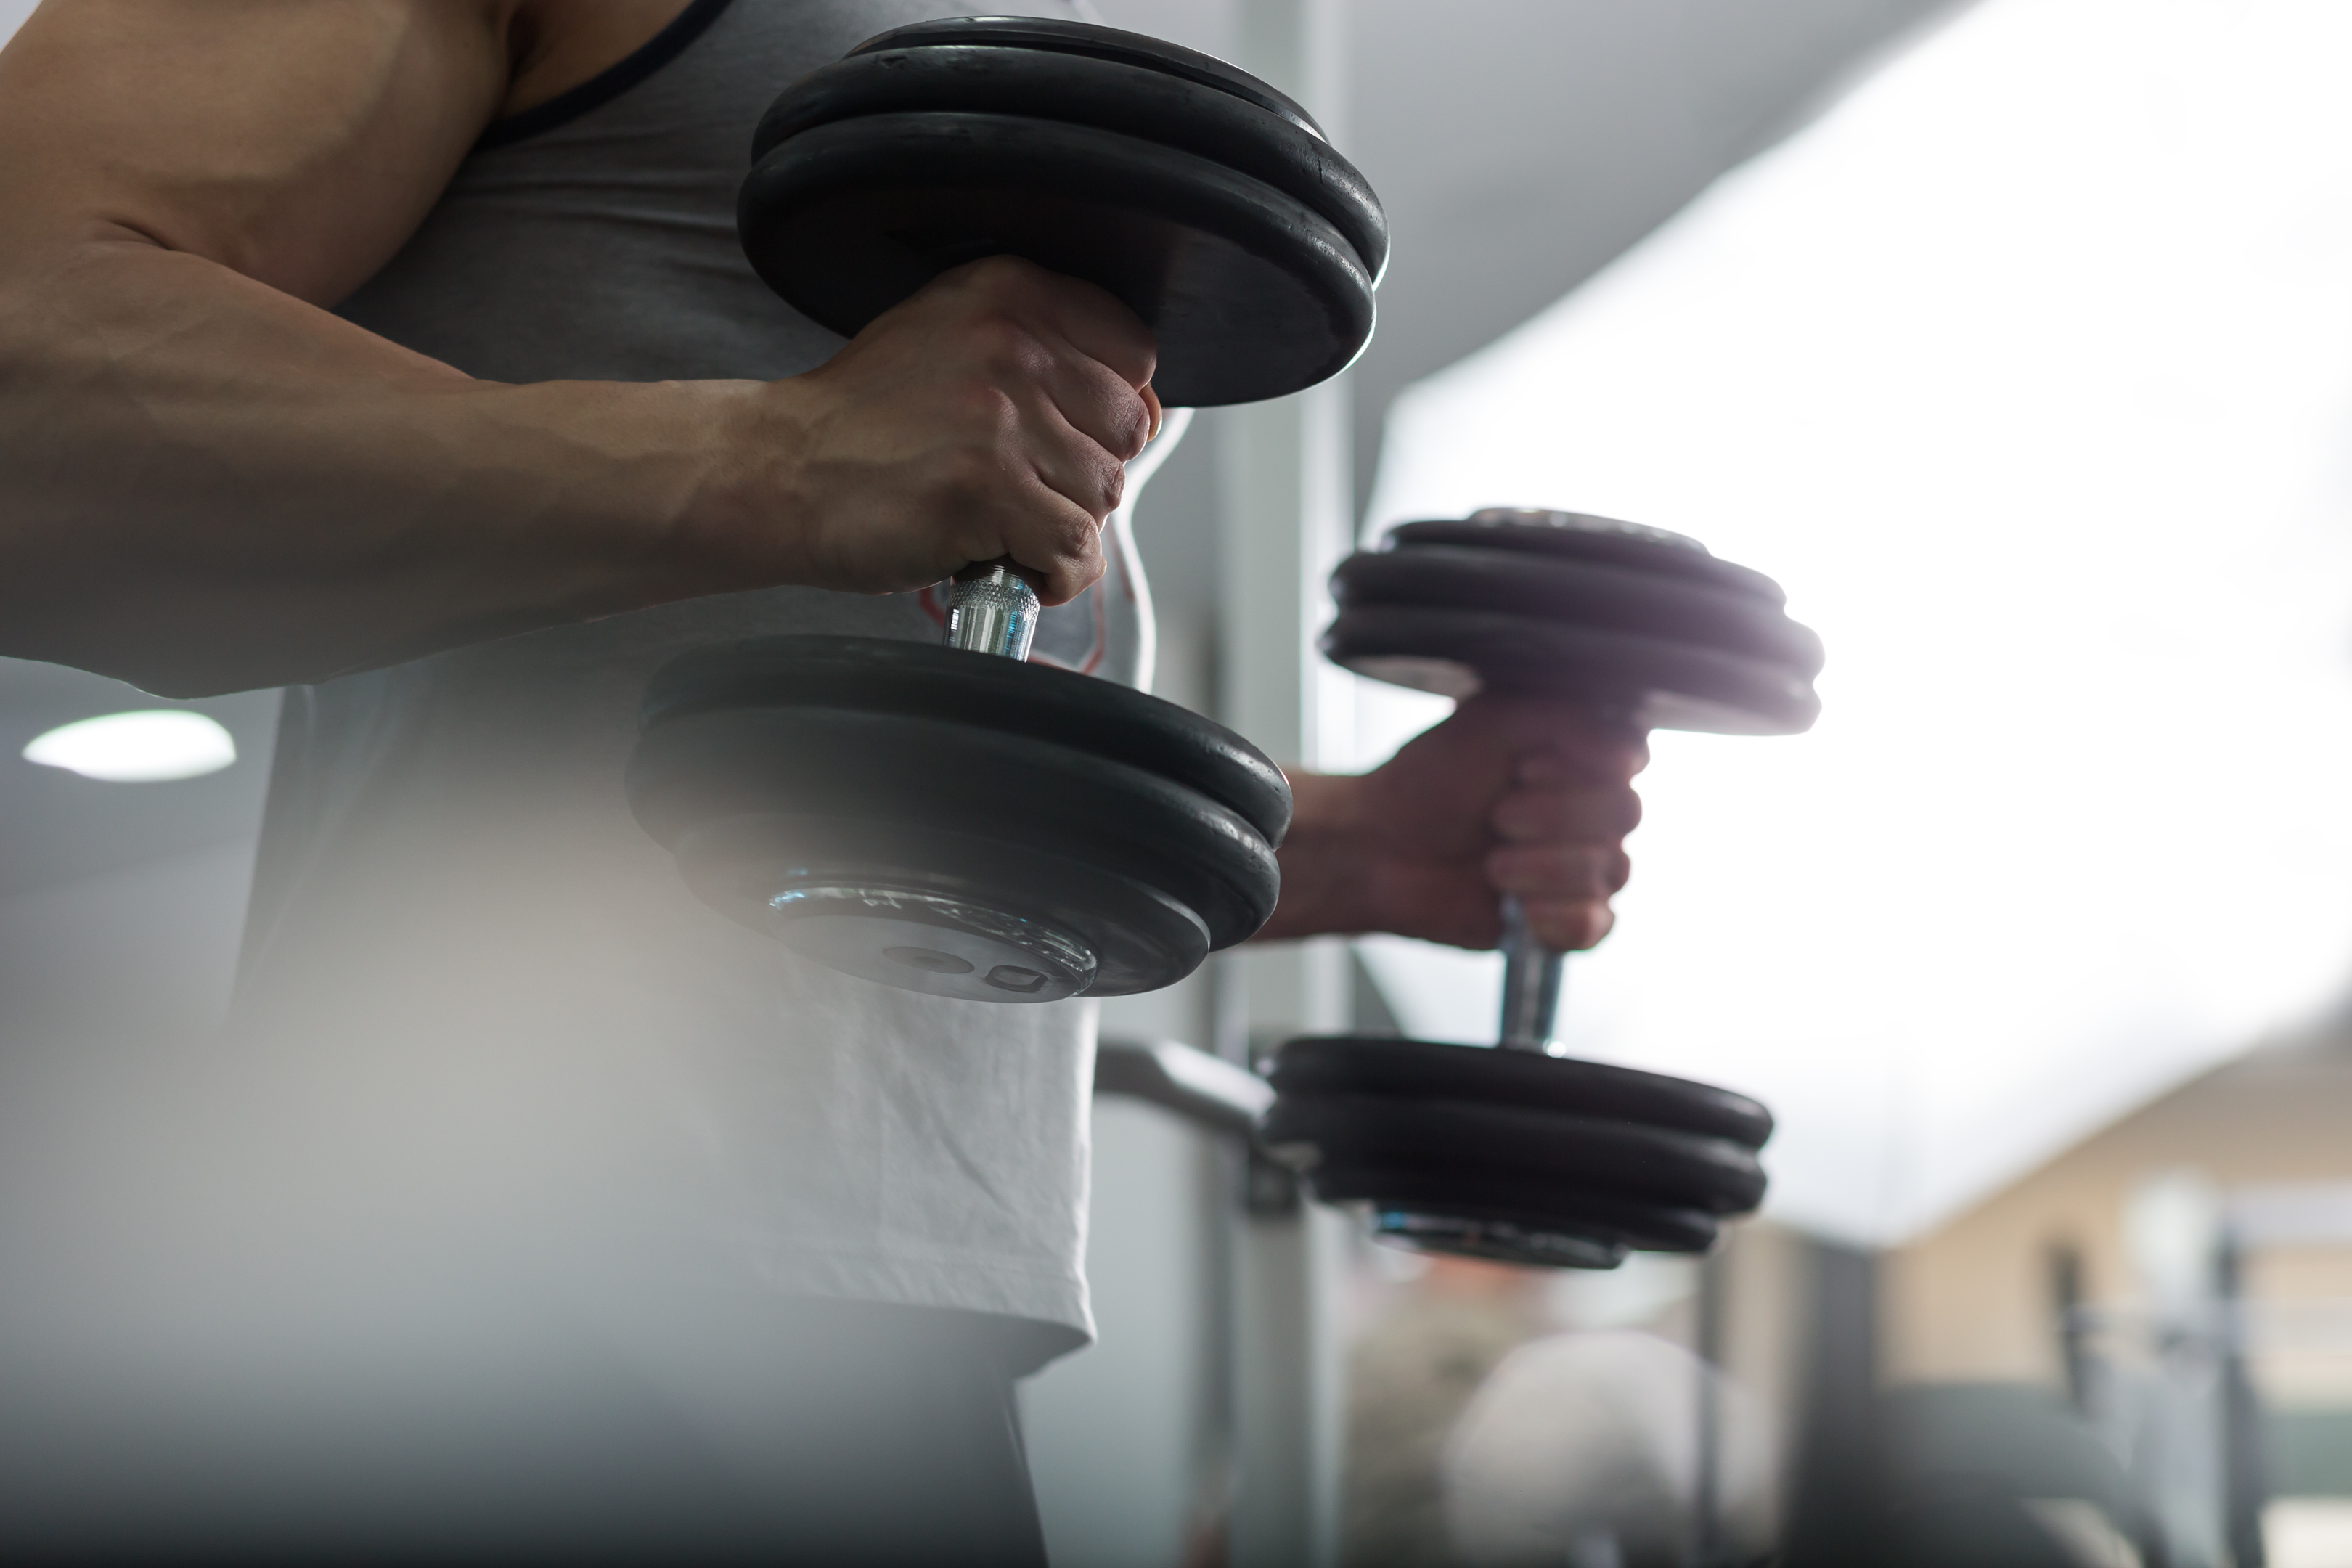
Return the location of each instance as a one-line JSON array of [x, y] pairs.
[[1325, 871], [208, 484]]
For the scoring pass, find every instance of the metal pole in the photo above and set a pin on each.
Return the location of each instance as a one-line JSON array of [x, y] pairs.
[[1287, 517], [2244, 1486], [1707, 1486]]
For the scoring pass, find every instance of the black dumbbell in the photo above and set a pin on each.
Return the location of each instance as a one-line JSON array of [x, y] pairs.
[[986, 828], [1514, 1154], [1207, 201]]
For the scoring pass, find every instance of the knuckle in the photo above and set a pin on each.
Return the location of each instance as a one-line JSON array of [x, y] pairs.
[[1135, 432], [1077, 542], [1001, 275], [1006, 347], [987, 407]]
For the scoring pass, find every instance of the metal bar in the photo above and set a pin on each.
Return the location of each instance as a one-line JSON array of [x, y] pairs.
[[1531, 981], [1196, 1086], [1708, 1483]]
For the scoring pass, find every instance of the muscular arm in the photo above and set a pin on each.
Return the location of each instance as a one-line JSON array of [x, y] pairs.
[[209, 482]]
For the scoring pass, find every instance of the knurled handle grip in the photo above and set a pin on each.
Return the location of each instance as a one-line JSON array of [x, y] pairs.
[[991, 609]]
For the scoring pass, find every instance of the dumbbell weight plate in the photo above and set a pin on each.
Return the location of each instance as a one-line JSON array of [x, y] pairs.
[[965, 915], [1583, 537], [1421, 1070], [1560, 589], [925, 680], [1250, 293], [1617, 1158], [1086, 38], [904, 797], [1644, 624], [1496, 1236], [811, 788], [1531, 1205], [1113, 95], [889, 768], [1647, 682]]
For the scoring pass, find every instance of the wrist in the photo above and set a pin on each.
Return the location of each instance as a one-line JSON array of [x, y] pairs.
[[1326, 870], [737, 520]]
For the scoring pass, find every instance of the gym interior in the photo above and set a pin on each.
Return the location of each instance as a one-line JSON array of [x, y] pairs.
[[2010, 339]]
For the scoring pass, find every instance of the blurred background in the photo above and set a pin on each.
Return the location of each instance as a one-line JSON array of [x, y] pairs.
[[2014, 339]]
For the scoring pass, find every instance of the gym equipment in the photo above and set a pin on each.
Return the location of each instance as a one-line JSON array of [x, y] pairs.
[[1513, 1154], [1209, 202], [986, 828], [966, 826], [1208, 1091]]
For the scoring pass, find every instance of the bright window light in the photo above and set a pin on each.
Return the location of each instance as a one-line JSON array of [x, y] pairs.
[[136, 748], [2027, 369]]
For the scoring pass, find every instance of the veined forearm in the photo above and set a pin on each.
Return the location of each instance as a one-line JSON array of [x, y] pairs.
[[206, 484]]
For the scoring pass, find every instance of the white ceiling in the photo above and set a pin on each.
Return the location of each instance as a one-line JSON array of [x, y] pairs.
[[1520, 144]]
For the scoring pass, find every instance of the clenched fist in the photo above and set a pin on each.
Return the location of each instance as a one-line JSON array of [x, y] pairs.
[[1508, 796], [988, 415]]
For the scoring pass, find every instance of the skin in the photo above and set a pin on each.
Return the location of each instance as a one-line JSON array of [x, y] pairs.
[[210, 484], [1508, 796]]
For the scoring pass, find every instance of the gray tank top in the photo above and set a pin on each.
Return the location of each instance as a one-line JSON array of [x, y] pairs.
[[463, 950]]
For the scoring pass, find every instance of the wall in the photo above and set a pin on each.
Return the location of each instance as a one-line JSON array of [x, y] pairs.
[[1972, 1299]]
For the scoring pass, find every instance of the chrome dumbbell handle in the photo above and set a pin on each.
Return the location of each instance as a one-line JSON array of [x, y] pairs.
[[1531, 978], [991, 609]]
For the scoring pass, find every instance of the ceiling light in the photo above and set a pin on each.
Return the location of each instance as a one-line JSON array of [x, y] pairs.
[[136, 748]]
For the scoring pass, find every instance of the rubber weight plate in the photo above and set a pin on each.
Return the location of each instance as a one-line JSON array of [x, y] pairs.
[[1097, 42], [1583, 537], [1555, 589], [968, 915], [1250, 293], [1105, 93], [1625, 1160], [1526, 1240], [1532, 1204], [1419, 1070], [925, 680], [1646, 682], [885, 772]]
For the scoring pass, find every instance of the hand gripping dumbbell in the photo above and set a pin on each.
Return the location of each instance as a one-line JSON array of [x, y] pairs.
[[1513, 1154], [979, 826]]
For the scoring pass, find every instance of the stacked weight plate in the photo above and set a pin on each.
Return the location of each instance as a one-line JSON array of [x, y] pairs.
[[954, 823], [1512, 1153], [1208, 202], [1642, 623], [1516, 1156]]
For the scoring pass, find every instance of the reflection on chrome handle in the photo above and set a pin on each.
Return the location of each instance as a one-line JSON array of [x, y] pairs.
[[1531, 979], [990, 609]]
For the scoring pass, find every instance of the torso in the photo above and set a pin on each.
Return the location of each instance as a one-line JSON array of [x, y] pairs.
[[461, 939]]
